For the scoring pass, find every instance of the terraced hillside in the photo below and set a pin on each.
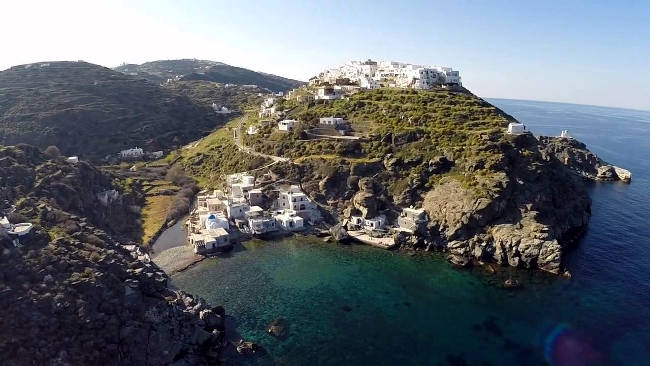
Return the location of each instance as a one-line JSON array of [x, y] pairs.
[[93, 111], [205, 70]]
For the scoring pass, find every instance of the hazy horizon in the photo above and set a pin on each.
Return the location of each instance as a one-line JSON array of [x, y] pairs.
[[580, 53]]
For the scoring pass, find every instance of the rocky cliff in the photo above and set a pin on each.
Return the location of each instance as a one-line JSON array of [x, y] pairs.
[[76, 293]]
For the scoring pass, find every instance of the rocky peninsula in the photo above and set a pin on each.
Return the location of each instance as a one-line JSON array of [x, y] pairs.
[[489, 196]]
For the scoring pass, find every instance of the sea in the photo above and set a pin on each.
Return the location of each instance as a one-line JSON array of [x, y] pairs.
[[358, 305]]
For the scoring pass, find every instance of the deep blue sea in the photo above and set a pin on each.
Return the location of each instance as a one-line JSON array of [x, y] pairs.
[[357, 305]]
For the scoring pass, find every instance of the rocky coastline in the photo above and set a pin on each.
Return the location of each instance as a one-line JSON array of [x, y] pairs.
[[76, 290], [527, 214]]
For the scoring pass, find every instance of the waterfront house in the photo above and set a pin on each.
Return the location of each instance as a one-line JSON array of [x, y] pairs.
[[288, 220], [260, 223], [375, 223], [516, 128], [287, 125], [410, 219], [208, 241], [565, 134], [368, 224], [237, 210]]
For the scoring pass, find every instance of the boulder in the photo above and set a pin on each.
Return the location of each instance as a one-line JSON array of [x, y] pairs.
[[339, 233]]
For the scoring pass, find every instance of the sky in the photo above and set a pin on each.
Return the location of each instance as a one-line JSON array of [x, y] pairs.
[[586, 52]]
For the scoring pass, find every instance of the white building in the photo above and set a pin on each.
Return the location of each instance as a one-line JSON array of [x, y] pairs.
[[289, 220], [372, 224], [219, 109], [268, 102], [72, 159], [516, 128], [252, 130], [262, 224], [213, 220], [565, 134], [332, 121], [287, 124], [237, 210], [375, 223], [411, 219], [134, 153], [328, 93], [292, 198], [208, 241], [156, 154], [370, 75]]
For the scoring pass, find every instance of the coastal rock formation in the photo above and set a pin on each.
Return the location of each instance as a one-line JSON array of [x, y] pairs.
[[522, 216], [575, 155], [74, 292]]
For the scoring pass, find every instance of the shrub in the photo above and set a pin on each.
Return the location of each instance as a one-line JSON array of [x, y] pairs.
[[52, 152]]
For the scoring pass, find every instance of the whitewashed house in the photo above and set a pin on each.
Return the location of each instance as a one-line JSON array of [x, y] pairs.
[[134, 153], [372, 224], [209, 241], [292, 198], [290, 221], [287, 125], [72, 159], [410, 219], [237, 210], [332, 121], [516, 128], [565, 134], [375, 223], [213, 220], [328, 93]]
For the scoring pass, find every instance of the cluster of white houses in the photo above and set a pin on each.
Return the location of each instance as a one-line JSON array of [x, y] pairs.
[[217, 214], [371, 74]]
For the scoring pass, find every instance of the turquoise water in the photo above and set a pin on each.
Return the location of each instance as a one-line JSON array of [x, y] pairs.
[[357, 305]]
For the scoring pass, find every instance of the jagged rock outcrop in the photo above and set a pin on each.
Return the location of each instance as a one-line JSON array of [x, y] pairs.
[[575, 155], [75, 294], [365, 199], [521, 216]]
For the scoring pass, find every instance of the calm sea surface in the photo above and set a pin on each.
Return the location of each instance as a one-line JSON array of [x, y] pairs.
[[357, 305]]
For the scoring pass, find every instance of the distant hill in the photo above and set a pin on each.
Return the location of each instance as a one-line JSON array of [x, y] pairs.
[[92, 111], [191, 69]]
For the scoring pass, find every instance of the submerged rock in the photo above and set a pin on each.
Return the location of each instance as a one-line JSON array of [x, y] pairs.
[[279, 328]]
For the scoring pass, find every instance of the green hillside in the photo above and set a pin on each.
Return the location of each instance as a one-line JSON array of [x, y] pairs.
[[93, 111], [192, 69]]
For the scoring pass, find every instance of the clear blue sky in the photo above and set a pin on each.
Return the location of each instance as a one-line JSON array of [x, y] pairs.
[[591, 52]]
